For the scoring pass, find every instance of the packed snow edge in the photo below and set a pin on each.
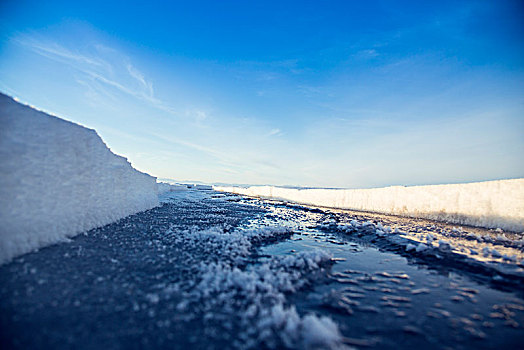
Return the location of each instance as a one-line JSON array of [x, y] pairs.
[[58, 179], [489, 204]]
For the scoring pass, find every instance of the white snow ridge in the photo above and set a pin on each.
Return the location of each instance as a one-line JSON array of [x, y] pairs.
[[489, 204], [58, 179]]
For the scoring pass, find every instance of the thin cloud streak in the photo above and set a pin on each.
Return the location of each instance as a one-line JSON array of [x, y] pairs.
[[92, 67], [135, 73]]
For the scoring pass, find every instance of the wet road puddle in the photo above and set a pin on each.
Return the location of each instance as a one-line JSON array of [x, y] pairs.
[[385, 299]]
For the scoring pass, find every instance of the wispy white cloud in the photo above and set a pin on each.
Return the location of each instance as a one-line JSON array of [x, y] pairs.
[[57, 52], [199, 116], [228, 159], [274, 132], [135, 73], [102, 70], [366, 54]]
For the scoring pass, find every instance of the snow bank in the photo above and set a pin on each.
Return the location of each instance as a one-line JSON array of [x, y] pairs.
[[164, 187], [58, 179], [490, 204], [200, 187]]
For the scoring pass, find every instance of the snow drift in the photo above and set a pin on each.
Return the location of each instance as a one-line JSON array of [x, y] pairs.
[[490, 204], [58, 179], [164, 187]]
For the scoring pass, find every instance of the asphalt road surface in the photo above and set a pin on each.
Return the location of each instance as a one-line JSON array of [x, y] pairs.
[[212, 271]]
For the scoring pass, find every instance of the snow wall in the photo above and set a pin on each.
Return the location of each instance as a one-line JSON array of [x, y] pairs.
[[58, 179], [490, 204], [164, 187]]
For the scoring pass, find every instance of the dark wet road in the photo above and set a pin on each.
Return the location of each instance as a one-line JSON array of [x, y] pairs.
[[185, 275]]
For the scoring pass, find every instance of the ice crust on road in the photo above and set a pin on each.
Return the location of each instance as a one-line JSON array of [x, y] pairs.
[[490, 204], [451, 245], [256, 296], [58, 179]]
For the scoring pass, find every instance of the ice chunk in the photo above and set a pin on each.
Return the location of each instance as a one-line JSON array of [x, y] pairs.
[[444, 246], [320, 332], [410, 246], [495, 253], [422, 247]]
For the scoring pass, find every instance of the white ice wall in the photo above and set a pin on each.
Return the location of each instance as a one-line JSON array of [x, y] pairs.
[[488, 204], [58, 179]]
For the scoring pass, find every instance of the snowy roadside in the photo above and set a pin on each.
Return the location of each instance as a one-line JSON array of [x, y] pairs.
[[490, 204]]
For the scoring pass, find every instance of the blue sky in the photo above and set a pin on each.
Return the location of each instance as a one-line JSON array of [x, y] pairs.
[[332, 93]]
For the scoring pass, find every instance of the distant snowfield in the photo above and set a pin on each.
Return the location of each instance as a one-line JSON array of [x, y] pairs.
[[490, 204], [58, 179]]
